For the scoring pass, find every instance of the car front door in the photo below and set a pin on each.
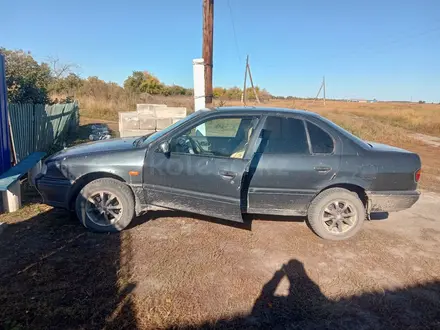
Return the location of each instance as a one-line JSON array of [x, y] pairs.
[[296, 160], [193, 178]]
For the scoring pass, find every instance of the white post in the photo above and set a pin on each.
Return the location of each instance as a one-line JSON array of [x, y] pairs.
[[199, 83], [199, 90]]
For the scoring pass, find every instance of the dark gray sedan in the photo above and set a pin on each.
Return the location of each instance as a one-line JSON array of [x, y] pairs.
[[227, 162]]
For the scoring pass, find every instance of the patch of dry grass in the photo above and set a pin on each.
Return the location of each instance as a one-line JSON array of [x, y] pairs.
[[108, 108], [420, 118]]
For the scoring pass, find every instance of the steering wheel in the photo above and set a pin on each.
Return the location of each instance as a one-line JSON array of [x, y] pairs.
[[189, 145]]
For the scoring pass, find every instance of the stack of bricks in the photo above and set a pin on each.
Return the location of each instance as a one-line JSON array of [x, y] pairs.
[[148, 118]]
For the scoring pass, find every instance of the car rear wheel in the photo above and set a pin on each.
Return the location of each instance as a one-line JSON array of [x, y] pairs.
[[336, 214], [105, 205]]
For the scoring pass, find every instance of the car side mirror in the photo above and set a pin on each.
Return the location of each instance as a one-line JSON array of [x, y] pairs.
[[164, 147]]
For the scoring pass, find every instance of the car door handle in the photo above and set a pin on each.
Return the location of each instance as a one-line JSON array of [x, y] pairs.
[[227, 175], [323, 169]]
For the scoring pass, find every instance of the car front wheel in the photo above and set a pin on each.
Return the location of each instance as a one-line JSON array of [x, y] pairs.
[[105, 205], [336, 214]]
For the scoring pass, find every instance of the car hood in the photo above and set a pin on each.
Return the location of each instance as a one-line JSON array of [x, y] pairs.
[[90, 148]]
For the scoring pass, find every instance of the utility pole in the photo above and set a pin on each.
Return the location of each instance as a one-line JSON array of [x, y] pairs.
[[319, 92], [243, 95], [252, 82], [321, 88], [247, 71], [208, 44]]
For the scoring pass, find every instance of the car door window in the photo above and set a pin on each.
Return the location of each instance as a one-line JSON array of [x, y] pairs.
[[321, 141], [222, 137], [284, 135]]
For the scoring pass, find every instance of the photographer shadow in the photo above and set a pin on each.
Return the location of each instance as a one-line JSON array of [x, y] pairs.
[[303, 302]]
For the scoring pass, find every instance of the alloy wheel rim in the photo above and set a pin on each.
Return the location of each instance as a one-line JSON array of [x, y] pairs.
[[339, 217], [104, 208]]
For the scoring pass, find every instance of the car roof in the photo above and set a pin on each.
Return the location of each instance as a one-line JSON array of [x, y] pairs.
[[266, 110]]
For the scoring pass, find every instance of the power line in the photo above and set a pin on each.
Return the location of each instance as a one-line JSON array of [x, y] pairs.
[[235, 32]]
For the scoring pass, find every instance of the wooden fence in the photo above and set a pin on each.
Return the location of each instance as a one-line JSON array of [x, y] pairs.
[[37, 127]]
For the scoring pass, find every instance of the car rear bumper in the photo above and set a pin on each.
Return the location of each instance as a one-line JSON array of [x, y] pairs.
[[55, 192], [390, 201]]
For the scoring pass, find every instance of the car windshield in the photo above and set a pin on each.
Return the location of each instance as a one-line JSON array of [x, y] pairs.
[[150, 138], [347, 133]]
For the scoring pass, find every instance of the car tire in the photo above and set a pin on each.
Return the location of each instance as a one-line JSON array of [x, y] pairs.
[[328, 219], [119, 198]]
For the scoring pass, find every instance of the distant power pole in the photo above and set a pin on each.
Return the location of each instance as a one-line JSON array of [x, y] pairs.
[[208, 45], [246, 72], [243, 95], [321, 88]]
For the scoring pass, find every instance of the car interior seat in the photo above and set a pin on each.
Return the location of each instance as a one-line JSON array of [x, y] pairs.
[[241, 148]]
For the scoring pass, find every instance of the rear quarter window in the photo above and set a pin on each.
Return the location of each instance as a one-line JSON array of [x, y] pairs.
[[320, 140]]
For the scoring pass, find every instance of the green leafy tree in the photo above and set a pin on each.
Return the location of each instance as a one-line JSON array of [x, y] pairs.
[[152, 85], [134, 82], [175, 90], [27, 81], [219, 92], [144, 82], [233, 93], [69, 85]]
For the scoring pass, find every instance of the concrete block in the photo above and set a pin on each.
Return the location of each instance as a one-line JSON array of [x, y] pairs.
[[12, 197], [175, 120], [149, 108], [162, 123], [135, 132], [146, 121], [128, 120], [171, 112]]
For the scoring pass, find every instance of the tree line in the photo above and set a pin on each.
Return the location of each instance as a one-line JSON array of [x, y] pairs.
[[29, 81]]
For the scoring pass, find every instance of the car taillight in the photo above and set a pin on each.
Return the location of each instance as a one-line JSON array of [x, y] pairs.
[[417, 175]]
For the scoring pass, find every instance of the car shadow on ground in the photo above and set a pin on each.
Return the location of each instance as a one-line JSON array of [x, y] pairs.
[[248, 219], [54, 274], [157, 214]]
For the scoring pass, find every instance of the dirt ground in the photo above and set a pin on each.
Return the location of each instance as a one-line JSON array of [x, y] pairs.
[[175, 270]]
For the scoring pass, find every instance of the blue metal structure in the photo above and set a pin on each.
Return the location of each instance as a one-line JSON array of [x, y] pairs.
[[5, 145], [22, 168]]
